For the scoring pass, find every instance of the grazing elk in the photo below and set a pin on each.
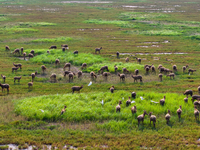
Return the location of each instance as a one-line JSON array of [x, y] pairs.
[[53, 47], [80, 73], [30, 55], [76, 88], [24, 55], [33, 75], [122, 77], [84, 65], [138, 60], [32, 52], [76, 52], [43, 68], [7, 47], [16, 51], [18, 65], [117, 54], [15, 69], [93, 75], [53, 77], [22, 50], [67, 65], [103, 68]]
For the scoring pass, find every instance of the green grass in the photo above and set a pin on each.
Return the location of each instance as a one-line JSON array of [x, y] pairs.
[[64, 57], [129, 66], [125, 24], [35, 24], [142, 16], [157, 33], [3, 18], [87, 107], [52, 40]]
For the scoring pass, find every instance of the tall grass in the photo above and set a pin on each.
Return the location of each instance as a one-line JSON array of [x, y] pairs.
[[52, 40], [66, 57], [157, 32], [87, 107], [129, 66], [17, 30], [35, 24]]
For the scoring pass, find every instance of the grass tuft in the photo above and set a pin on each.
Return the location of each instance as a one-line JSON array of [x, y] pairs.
[[52, 40]]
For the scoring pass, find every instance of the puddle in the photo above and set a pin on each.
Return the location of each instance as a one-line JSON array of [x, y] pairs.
[[128, 6], [84, 2], [45, 147], [198, 140]]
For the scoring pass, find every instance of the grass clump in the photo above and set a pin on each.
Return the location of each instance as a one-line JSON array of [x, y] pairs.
[[87, 107], [17, 30], [34, 24], [52, 40], [3, 18], [66, 57], [129, 66], [141, 16], [125, 24], [195, 37], [156, 33]]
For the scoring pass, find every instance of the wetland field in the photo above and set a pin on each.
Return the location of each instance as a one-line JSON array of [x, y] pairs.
[[153, 31]]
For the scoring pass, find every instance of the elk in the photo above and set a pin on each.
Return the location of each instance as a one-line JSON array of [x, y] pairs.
[[98, 50], [137, 77], [117, 54], [18, 65], [15, 69], [5, 86], [67, 65], [17, 78], [30, 55], [80, 74], [118, 107], [43, 68], [93, 75], [76, 88], [138, 60], [105, 75], [33, 75], [141, 117], [53, 77], [22, 50], [121, 76], [84, 65], [16, 51], [57, 61], [32, 52], [7, 47], [53, 47], [103, 68], [63, 110], [76, 52], [24, 55]]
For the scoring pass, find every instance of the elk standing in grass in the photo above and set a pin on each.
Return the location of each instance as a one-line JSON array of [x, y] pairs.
[[138, 60], [174, 67], [3, 77], [24, 55], [53, 47], [184, 68], [105, 75], [122, 77], [137, 77], [124, 70], [136, 72], [188, 92], [18, 65], [167, 116], [127, 59], [16, 51], [191, 70], [15, 69], [43, 68], [32, 52], [22, 50], [71, 76], [171, 75], [118, 107], [30, 55], [152, 118], [76, 52], [112, 89], [53, 77], [116, 68], [160, 76], [162, 101], [140, 118], [7, 47], [57, 61], [93, 75], [133, 95], [67, 65], [186, 99], [98, 50], [80, 73], [76, 88], [133, 110], [179, 111], [17, 78], [103, 68], [30, 84], [117, 54], [128, 102], [33, 75], [84, 65], [63, 110], [5, 86]]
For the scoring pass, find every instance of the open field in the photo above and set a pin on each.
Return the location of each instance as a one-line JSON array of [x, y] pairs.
[[157, 31]]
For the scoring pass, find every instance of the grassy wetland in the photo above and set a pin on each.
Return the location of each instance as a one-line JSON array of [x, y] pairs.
[[157, 31]]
